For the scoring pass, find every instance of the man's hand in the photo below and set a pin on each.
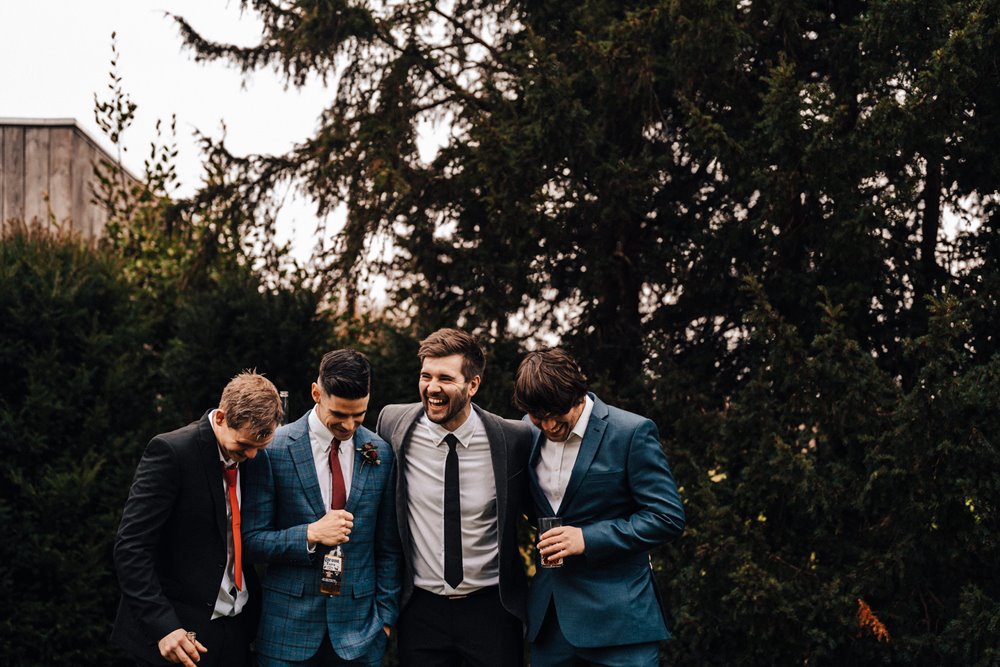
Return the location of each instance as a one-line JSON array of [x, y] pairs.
[[387, 629], [332, 529], [561, 542], [176, 647]]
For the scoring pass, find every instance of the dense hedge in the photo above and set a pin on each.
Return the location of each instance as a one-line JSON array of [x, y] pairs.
[[75, 402], [90, 371], [837, 513]]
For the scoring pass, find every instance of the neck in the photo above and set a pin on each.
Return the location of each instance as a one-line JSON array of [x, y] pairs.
[[459, 419]]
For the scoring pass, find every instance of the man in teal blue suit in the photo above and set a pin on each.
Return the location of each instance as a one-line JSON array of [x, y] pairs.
[[602, 471], [320, 512]]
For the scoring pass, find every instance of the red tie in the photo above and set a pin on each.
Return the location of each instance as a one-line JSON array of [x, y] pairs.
[[338, 494], [234, 505]]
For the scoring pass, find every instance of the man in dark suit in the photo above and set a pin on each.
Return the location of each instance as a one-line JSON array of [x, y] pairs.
[[178, 552], [461, 483], [602, 471], [322, 495]]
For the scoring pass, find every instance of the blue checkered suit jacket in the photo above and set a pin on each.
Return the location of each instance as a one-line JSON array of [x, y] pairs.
[[281, 496]]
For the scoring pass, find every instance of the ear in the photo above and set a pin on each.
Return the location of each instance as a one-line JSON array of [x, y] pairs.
[[474, 385], [315, 392], [220, 417]]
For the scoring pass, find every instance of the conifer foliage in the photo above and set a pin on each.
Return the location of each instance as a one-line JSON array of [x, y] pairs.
[[768, 225]]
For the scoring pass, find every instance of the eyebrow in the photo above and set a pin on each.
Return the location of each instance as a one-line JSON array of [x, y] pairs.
[[337, 413], [441, 376]]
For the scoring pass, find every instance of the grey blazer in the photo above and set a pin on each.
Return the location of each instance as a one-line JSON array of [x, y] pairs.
[[510, 444]]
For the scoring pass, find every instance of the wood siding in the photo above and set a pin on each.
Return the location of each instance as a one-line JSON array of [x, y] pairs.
[[47, 173]]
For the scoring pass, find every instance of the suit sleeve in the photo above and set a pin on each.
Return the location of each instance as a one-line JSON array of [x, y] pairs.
[[149, 506], [388, 551], [263, 540], [527, 508], [383, 427], [658, 515]]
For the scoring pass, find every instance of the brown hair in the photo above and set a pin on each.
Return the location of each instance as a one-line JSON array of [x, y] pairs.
[[548, 382], [251, 400], [446, 342]]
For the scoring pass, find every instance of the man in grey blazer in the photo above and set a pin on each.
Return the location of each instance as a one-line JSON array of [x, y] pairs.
[[461, 483]]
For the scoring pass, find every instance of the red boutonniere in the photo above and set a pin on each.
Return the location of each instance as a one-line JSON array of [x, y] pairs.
[[369, 454]]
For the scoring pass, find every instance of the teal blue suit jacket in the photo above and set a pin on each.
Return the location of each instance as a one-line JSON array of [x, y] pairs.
[[622, 494], [281, 497]]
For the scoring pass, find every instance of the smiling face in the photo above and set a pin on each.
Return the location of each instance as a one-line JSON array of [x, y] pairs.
[[558, 427], [342, 416], [237, 445], [445, 391]]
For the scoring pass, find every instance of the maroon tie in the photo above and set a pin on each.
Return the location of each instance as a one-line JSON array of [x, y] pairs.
[[338, 494]]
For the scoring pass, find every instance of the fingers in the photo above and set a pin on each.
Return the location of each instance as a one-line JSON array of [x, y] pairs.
[[334, 528], [340, 518], [551, 536], [178, 649], [561, 542]]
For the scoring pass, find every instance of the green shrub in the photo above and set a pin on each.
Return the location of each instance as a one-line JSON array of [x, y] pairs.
[[75, 405]]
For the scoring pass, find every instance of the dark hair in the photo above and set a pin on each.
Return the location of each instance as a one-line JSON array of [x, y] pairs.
[[345, 374], [548, 382], [251, 401], [446, 342]]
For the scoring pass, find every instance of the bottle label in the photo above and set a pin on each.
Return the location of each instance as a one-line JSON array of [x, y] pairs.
[[333, 572]]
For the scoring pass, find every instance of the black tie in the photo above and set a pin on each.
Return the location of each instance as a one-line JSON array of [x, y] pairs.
[[452, 517]]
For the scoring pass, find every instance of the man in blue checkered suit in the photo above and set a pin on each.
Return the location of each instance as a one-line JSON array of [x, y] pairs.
[[325, 483]]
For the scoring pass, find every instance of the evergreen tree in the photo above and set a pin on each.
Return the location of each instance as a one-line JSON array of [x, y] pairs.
[[671, 187]]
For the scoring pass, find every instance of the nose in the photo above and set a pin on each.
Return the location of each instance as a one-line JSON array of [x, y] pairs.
[[250, 453], [548, 424]]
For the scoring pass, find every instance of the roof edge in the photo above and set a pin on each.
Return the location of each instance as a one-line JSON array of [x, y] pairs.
[[68, 122]]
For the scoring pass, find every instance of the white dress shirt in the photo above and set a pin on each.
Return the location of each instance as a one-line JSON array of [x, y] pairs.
[[227, 604], [556, 459], [425, 462], [321, 440]]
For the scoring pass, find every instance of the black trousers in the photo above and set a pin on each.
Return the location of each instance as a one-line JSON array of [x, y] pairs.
[[472, 631]]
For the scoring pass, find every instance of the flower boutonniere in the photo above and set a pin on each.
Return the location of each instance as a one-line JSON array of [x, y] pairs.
[[369, 454]]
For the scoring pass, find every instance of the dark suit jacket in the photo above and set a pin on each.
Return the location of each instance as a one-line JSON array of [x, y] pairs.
[[622, 495], [510, 442], [170, 552]]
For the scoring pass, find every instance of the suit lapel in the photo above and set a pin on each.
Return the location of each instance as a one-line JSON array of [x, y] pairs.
[[362, 472], [498, 453], [300, 450], [208, 452], [541, 502], [400, 440], [588, 449]]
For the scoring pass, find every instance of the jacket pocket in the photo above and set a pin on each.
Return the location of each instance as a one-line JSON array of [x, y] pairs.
[[291, 587]]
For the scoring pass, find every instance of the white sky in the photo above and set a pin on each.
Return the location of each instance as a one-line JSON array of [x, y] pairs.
[[56, 54]]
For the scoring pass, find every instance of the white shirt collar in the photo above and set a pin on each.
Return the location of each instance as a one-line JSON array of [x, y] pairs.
[[464, 433], [323, 435], [227, 463], [580, 428]]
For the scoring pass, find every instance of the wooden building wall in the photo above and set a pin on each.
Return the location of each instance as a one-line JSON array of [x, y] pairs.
[[53, 158]]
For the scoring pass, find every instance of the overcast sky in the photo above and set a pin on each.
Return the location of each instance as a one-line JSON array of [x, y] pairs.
[[55, 55]]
